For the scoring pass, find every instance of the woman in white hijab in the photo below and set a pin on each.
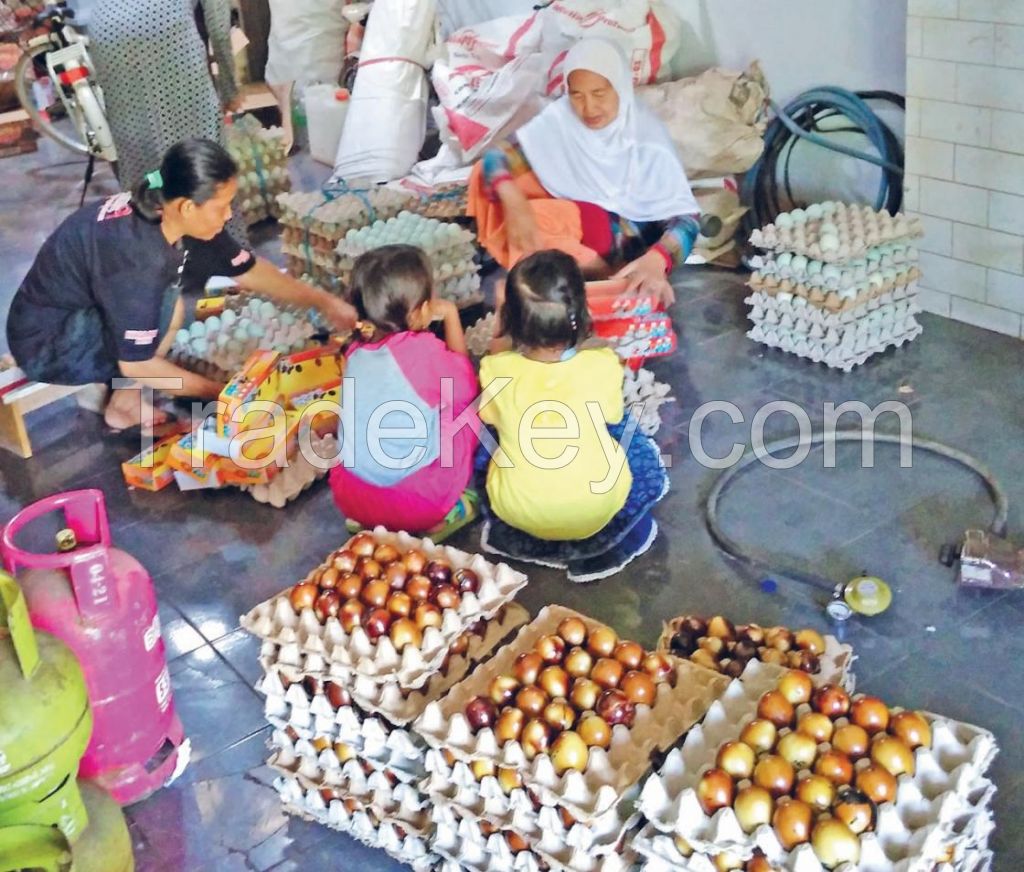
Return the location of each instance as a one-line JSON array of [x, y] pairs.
[[595, 175]]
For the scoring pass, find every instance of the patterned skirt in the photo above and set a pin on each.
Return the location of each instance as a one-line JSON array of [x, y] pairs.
[[628, 535]]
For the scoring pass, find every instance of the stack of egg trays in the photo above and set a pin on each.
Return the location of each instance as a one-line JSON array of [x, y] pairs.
[[276, 621], [600, 800], [837, 233], [451, 251], [313, 224], [262, 163], [836, 661], [357, 768], [367, 826], [285, 329], [846, 292], [446, 202], [945, 805]]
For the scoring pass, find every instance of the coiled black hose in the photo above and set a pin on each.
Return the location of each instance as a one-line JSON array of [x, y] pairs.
[[763, 565], [767, 191]]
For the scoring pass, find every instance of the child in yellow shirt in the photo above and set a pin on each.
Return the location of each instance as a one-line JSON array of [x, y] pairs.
[[563, 488]]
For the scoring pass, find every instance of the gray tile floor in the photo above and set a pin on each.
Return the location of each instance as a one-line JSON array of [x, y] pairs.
[[213, 555]]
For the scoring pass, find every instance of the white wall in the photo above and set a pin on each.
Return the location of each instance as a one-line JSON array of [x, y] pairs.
[[859, 44], [965, 158], [855, 44]]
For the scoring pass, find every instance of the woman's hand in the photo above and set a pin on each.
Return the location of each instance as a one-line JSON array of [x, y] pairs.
[[234, 105], [340, 315], [646, 274]]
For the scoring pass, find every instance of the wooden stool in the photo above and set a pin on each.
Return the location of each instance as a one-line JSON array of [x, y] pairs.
[[21, 399]]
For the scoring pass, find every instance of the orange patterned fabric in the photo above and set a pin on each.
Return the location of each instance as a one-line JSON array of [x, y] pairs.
[[558, 221]]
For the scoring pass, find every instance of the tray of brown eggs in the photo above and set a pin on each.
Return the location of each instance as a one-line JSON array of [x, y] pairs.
[[473, 845], [817, 779], [329, 693], [717, 643], [386, 606], [347, 815], [485, 791], [575, 709]]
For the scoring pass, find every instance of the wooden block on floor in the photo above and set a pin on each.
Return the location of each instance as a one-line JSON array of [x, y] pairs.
[[22, 400]]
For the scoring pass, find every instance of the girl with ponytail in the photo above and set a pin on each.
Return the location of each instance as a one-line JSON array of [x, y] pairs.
[[103, 298], [572, 483]]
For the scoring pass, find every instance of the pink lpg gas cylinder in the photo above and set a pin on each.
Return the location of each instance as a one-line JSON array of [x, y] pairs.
[[100, 601]]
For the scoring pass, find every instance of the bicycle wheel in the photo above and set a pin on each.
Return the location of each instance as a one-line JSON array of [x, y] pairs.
[[24, 76]]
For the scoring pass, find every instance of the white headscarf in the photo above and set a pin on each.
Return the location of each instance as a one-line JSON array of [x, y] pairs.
[[630, 167]]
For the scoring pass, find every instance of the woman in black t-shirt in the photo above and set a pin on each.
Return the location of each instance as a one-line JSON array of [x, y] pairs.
[[102, 299]]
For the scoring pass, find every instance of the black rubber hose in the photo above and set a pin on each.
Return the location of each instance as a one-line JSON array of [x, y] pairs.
[[764, 566]]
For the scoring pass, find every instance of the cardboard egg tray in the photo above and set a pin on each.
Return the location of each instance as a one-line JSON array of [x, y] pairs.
[[948, 784], [397, 755], [858, 229], [371, 722], [262, 161], [463, 842], [901, 300], [397, 705], [836, 663], [852, 352], [322, 220], [609, 774], [859, 277], [371, 737], [544, 828], [838, 299], [276, 621], [393, 838], [783, 316], [297, 477], [659, 853]]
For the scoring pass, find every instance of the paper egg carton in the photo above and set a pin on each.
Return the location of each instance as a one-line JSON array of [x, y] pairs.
[[887, 285], [402, 707], [947, 785], [319, 216], [643, 396], [391, 837], [836, 663], [609, 774], [799, 321], [658, 853], [315, 759], [396, 704], [262, 161], [457, 787], [833, 232], [464, 842], [444, 202], [852, 351], [400, 803], [276, 621], [314, 718], [298, 476], [480, 334], [223, 343], [901, 300], [436, 238], [884, 265]]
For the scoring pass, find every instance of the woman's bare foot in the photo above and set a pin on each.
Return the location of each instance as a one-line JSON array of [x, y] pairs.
[[128, 408]]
